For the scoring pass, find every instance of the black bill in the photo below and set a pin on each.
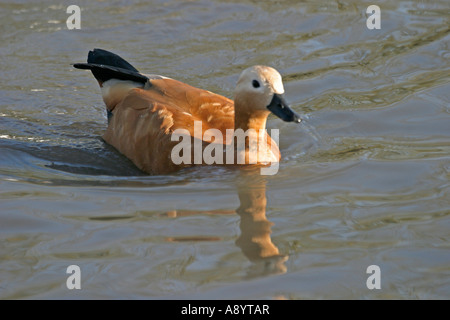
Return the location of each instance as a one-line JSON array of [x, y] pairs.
[[279, 107]]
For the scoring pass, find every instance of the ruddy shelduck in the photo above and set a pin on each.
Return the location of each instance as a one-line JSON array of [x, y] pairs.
[[144, 111]]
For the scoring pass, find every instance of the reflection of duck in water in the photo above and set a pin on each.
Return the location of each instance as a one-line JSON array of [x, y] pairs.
[[145, 110], [254, 241]]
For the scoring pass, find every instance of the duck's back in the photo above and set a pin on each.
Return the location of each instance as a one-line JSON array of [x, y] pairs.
[[142, 122]]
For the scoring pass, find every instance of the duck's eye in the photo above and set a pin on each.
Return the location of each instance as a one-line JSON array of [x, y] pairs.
[[256, 84]]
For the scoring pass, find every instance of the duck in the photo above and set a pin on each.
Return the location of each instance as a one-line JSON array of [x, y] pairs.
[[148, 115]]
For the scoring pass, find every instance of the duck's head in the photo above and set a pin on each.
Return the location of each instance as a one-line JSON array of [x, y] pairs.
[[260, 89]]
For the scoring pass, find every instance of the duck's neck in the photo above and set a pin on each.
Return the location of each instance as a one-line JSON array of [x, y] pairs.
[[244, 119]]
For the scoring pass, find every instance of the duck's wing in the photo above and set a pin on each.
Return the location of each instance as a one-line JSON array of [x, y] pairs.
[[213, 110], [143, 122], [117, 77]]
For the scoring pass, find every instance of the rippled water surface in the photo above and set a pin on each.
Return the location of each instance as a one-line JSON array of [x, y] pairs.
[[364, 179]]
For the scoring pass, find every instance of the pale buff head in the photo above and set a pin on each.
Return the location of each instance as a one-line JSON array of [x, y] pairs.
[[260, 89]]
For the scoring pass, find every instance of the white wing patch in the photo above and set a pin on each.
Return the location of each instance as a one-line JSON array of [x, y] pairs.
[[114, 90], [156, 76]]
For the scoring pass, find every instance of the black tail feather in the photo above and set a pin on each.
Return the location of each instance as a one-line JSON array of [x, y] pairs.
[[106, 65], [100, 56]]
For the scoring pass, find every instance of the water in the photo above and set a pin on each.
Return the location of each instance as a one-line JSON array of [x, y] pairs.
[[364, 180]]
